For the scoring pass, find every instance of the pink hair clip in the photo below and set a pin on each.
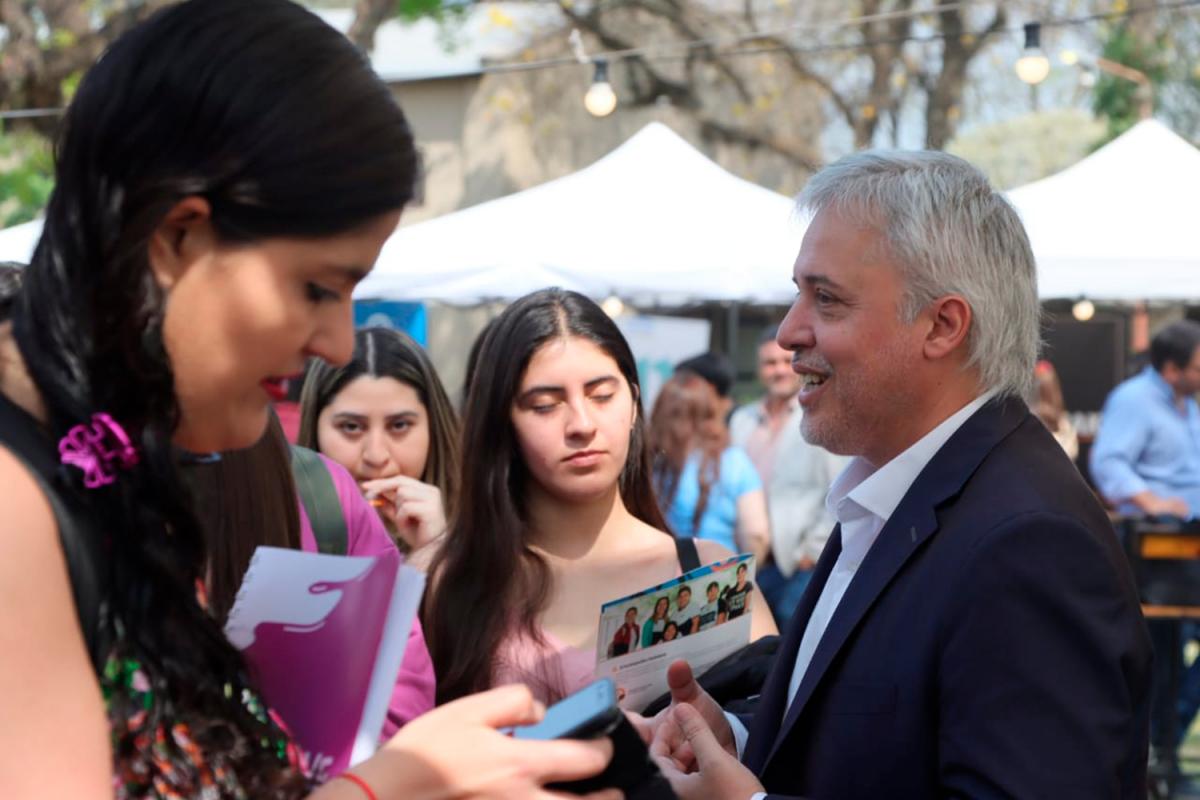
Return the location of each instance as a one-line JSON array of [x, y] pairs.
[[99, 449]]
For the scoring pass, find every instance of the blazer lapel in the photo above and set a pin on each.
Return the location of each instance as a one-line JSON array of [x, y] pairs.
[[773, 702], [913, 521]]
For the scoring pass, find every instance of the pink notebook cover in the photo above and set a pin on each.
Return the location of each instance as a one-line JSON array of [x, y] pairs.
[[324, 637]]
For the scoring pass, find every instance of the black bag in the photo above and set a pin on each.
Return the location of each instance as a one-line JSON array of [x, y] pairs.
[[735, 681]]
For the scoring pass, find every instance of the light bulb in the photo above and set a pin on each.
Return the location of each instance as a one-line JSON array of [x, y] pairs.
[[600, 99], [1033, 66], [613, 306], [1083, 310]]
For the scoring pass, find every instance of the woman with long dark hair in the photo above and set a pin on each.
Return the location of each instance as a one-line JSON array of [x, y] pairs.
[[557, 513], [386, 418], [225, 174]]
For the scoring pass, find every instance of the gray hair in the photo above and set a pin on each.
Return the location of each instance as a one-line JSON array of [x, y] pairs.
[[952, 233]]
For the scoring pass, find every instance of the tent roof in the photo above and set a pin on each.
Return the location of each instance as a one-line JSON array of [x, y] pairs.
[[1121, 223], [654, 221]]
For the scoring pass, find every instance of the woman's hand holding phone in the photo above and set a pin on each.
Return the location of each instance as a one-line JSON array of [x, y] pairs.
[[456, 751]]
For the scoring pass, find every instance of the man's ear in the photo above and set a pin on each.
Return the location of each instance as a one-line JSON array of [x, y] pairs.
[[950, 322], [184, 235], [1170, 372]]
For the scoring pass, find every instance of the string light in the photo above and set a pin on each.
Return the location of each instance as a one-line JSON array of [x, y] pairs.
[[613, 306], [671, 52], [754, 44], [1033, 66], [600, 99]]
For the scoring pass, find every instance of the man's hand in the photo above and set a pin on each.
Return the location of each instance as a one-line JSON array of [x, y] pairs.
[[685, 689], [713, 773], [1157, 506]]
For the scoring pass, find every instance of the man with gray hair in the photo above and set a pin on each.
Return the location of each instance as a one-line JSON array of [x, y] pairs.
[[972, 628]]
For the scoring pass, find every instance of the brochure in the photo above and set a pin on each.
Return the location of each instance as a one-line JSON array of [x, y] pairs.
[[701, 616], [324, 636]]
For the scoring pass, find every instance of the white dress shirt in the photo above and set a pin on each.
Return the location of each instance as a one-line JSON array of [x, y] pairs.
[[862, 499]]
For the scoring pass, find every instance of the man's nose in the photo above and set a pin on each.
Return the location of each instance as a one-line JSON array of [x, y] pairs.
[[795, 332]]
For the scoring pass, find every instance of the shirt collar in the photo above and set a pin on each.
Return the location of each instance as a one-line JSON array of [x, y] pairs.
[[1160, 384], [862, 490], [761, 406]]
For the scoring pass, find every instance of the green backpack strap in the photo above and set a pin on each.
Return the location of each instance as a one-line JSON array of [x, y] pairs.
[[320, 499]]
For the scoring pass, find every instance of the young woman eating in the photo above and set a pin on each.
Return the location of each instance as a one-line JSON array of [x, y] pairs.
[[386, 418]]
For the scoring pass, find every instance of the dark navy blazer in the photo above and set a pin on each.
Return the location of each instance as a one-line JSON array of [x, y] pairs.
[[991, 644]]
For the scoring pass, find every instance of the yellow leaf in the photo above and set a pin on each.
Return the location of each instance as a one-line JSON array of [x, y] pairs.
[[498, 18]]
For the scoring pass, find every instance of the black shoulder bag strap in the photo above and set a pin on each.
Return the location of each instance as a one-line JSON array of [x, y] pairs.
[[320, 499], [689, 556]]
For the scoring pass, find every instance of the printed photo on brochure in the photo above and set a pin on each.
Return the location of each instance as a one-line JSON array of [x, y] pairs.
[[702, 616]]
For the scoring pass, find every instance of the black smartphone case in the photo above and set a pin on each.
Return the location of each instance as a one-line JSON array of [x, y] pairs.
[[631, 770]]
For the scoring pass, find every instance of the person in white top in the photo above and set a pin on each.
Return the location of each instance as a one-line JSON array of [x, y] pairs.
[[972, 628]]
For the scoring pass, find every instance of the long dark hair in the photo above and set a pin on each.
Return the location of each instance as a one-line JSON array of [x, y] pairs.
[[389, 353], [243, 499], [278, 122], [488, 583]]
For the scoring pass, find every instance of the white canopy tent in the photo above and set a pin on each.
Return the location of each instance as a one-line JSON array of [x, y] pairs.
[[1120, 225], [654, 221]]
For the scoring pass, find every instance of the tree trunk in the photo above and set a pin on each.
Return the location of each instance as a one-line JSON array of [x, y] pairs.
[[369, 15]]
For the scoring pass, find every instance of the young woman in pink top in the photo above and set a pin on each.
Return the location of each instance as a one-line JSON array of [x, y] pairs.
[[386, 418], [557, 513]]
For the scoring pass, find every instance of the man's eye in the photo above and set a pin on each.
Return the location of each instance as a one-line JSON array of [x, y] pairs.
[[319, 294]]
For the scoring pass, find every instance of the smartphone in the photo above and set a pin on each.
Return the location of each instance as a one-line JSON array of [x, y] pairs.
[[589, 713]]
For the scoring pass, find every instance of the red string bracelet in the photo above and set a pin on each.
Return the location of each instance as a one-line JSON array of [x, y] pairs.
[[350, 776]]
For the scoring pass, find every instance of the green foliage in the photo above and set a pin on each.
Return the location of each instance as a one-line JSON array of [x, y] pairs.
[[411, 10], [26, 177], [1116, 99]]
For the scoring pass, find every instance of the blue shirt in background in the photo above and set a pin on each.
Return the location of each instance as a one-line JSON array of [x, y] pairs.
[[1146, 443], [719, 521]]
